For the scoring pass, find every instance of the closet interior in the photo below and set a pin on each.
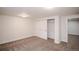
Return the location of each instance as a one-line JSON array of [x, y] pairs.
[[51, 28], [73, 33]]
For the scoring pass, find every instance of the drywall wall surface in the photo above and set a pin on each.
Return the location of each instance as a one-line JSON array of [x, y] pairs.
[[73, 27], [57, 29], [64, 29], [51, 29], [41, 29], [14, 28]]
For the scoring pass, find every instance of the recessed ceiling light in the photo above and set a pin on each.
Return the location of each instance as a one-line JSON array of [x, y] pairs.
[[23, 15]]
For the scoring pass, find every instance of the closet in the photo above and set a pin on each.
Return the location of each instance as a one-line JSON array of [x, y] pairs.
[[73, 33], [51, 28]]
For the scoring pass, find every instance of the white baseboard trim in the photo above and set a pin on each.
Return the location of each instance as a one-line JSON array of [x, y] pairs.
[[20, 38], [3, 42], [57, 42]]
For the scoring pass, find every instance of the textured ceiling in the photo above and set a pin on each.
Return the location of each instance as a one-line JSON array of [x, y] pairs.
[[36, 12]]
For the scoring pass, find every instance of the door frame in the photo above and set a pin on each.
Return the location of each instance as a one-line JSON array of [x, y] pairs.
[[57, 24], [70, 17], [47, 27]]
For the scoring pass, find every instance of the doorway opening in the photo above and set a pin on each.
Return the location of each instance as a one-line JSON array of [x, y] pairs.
[[51, 29], [73, 33]]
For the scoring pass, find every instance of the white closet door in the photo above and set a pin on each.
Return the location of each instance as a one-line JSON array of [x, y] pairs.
[[41, 28]]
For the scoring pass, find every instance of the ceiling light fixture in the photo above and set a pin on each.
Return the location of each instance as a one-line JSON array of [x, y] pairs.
[[49, 7], [23, 15]]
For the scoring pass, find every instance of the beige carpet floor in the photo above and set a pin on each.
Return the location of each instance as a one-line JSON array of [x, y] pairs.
[[33, 44], [38, 44]]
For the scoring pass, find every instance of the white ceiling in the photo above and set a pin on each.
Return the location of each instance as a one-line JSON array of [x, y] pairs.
[[36, 12]]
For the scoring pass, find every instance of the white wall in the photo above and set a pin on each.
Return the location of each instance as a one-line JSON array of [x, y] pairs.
[[64, 29], [14, 28], [73, 27], [57, 29], [41, 28], [51, 29]]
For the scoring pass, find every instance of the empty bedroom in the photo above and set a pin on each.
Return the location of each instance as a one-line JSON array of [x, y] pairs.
[[39, 28]]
